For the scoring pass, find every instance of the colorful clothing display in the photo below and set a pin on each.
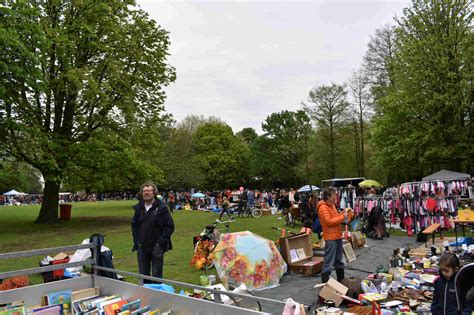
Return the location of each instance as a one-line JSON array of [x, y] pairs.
[[417, 205]]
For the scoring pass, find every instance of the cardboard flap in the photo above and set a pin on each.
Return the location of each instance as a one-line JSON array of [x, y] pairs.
[[334, 290], [339, 287], [60, 256]]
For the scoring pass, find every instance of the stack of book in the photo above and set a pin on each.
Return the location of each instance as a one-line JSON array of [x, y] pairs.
[[84, 302], [96, 304], [14, 308]]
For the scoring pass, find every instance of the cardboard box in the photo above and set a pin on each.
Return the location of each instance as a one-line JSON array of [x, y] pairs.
[[334, 291], [297, 251], [420, 252]]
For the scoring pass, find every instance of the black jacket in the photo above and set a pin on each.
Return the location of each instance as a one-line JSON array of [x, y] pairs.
[[444, 298], [153, 226]]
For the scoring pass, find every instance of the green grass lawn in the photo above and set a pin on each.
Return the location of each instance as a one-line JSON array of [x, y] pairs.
[[112, 218]]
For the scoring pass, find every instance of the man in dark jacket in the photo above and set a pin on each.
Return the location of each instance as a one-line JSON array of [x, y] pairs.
[[152, 226]]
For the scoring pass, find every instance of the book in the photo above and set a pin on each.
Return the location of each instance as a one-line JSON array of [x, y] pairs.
[[294, 255], [132, 306], [60, 297], [18, 310], [10, 305], [80, 306], [49, 310], [301, 253], [155, 312], [101, 306], [114, 308], [141, 310], [127, 312], [95, 303], [84, 294]]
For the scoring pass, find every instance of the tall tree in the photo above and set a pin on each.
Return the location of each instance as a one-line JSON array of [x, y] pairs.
[[424, 121], [180, 163], [328, 106], [378, 60], [70, 69], [360, 101], [120, 161], [220, 155], [288, 134], [248, 135]]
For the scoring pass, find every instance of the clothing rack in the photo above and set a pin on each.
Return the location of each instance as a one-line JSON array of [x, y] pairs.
[[442, 197], [437, 180]]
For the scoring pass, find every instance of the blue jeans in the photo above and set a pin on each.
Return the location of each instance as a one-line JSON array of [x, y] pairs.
[[150, 258], [333, 256]]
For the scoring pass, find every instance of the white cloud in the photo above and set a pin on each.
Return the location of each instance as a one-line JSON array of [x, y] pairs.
[[244, 60]]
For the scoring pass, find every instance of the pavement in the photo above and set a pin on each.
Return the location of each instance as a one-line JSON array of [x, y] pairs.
[[300, 288]]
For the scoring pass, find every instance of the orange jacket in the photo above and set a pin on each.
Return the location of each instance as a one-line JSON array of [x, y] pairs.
[[330, 220]]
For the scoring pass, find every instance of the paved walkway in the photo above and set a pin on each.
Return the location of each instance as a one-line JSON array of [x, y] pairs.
[[300, 288]]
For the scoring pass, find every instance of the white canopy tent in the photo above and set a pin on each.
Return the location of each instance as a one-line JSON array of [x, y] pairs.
[[14, 193], [447, 175]]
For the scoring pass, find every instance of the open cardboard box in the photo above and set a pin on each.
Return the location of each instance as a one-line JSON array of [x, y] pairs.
[[333, 290], [297, 251]]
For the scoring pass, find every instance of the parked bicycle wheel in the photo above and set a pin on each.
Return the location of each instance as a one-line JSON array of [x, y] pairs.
[[289, 220], [256, 213], [247, 303]]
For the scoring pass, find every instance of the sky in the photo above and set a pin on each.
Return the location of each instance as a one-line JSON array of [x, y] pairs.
[[242, 61]]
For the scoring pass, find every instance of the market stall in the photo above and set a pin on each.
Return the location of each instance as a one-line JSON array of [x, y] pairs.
[[204, 300]]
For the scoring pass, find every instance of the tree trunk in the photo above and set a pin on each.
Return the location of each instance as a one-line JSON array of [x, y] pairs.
[[362, 153], [49, 207], [332, 149], [357, 149]]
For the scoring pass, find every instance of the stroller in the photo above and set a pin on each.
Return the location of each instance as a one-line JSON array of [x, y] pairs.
[[464, 285]]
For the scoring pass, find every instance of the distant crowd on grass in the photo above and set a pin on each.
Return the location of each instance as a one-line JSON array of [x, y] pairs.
[[176, 200], [180, 200], [33, 199], [278, 198]]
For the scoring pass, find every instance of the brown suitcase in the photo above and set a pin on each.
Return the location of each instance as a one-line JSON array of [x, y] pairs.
[[304, 262], [308, 267]]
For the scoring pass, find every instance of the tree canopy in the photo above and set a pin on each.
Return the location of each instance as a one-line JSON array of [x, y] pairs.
[[82, 103], [71, 70]]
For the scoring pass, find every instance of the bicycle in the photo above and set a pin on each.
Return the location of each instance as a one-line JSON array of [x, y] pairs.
[[293, 216], [212, 235], [248, 211], [242, 302]]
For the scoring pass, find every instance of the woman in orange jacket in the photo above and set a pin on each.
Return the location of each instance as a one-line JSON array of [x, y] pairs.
[[331, 221]]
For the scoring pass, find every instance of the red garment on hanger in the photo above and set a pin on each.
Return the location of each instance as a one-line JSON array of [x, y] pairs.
[[431, 204], [408, 222]]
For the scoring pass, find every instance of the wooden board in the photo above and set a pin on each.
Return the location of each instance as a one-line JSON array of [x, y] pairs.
[[431, 229], [83, 294], [349, 252]]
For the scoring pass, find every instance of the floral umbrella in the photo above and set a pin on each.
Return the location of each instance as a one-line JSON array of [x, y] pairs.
[[245, 257]]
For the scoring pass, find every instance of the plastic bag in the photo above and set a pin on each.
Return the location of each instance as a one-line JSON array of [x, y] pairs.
[[384, 288], [160, 287], [293, 308], [368, 287]]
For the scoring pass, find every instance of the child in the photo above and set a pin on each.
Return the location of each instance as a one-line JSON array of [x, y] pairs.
[[225, 207], [444, 298]]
